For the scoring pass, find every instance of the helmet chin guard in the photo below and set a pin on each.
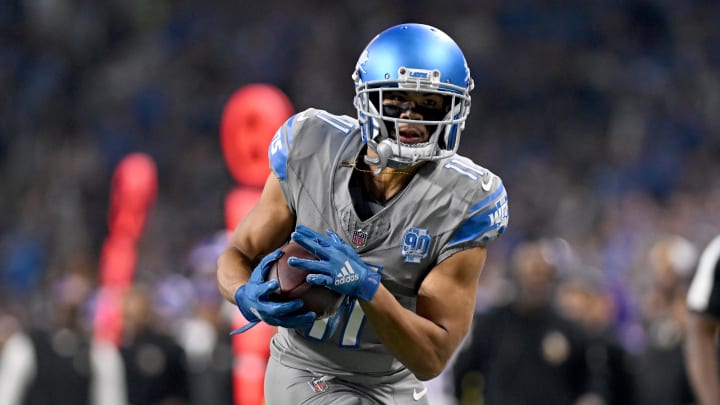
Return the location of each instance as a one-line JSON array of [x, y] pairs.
[[418, 58], [384, 152]]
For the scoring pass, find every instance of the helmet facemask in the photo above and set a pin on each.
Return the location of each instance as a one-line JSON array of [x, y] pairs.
[[380, 123]]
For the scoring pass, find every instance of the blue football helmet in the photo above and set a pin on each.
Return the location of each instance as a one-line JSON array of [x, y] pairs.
[[412, 57]]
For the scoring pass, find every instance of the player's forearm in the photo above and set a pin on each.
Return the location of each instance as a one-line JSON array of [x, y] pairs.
[[421, 345], [232, 271], [702, 361]]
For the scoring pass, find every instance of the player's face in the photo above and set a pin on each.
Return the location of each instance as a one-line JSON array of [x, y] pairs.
[[413, 105]]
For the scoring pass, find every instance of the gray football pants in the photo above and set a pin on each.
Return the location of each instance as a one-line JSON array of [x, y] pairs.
[[290, 386]]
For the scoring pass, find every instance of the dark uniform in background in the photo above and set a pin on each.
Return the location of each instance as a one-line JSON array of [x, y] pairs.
[[524, 352]]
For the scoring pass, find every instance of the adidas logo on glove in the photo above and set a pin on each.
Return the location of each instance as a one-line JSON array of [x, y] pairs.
[[347, 275]]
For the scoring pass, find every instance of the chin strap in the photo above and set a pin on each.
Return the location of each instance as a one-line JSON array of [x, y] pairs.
[[383, 150]]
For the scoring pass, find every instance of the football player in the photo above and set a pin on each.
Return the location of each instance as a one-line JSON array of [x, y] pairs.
[[399, 221]]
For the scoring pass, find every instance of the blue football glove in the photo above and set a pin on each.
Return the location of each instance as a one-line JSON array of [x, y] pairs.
[[338, 268], [253, 301]]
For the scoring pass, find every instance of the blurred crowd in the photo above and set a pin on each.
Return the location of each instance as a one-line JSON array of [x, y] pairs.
[[599, 115]]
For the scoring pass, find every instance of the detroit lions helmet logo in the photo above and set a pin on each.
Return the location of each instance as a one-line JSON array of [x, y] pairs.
[[360, 65]]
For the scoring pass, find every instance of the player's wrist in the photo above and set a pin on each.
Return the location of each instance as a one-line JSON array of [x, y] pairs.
[[241, 303], [368, 288]]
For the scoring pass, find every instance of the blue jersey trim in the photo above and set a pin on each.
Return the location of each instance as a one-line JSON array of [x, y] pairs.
[[479, 206], [280, 147], [483, 221]]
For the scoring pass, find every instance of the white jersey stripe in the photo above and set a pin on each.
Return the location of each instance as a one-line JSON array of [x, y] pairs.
[[352, 329], [462, 169], [469, 167], [344, 127], [318, 329], [701, 287]]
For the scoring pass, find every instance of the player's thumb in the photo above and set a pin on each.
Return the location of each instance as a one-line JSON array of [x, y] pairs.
[[268, 287]]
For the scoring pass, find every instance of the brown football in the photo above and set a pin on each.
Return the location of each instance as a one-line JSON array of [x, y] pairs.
[[321, 300]]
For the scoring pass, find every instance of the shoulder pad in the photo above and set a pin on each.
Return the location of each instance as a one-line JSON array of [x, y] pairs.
[[488, 216], [283, 139]]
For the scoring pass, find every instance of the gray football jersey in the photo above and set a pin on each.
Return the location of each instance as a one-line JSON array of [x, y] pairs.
[[449, 205]]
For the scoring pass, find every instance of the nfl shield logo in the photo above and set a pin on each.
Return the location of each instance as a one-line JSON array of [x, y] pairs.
[[318, 385], [359, 238]]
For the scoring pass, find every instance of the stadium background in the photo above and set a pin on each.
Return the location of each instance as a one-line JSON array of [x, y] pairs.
[[601, 117]]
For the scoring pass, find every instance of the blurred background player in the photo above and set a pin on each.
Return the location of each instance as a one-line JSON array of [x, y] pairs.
[[407, 219], [660, 376], [701, 347], [155, 364], [54, 360], [523, 351], [588, 302]]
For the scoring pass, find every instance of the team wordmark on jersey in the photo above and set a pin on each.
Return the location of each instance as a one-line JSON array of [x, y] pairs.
[[499, 216], [416, 245]]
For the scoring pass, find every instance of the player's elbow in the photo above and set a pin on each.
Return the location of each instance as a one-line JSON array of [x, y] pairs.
[[428, 374], [429, 370], [434, 360], [428, 377]]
